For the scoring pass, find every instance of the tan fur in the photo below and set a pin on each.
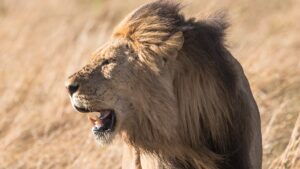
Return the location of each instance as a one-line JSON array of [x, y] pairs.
[[181, 99]]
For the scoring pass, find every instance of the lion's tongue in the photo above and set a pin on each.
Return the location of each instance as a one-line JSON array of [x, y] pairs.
[[99, 121], [96, 121]]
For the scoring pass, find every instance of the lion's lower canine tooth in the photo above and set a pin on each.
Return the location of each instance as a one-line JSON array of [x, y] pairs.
[[98, 122]]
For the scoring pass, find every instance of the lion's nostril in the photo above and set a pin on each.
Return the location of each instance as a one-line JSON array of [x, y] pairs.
[[72, 88]]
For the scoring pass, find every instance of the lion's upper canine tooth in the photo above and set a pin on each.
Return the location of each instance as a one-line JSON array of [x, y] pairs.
[[104, 114]]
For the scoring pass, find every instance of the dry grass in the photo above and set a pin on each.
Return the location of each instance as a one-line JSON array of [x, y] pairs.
[[42, 42]]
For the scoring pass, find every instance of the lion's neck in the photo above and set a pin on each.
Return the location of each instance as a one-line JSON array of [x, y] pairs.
[[135, 159]]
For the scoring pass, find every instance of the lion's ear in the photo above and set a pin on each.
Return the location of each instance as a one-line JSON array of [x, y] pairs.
[[170, 47]]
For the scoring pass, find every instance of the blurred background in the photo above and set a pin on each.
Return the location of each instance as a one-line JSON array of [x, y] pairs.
[[42, 42]]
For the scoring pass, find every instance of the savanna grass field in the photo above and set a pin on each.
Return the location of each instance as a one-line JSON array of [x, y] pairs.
[[43, 42]]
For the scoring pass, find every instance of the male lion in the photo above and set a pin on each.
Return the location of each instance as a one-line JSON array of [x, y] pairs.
[[172, 92]]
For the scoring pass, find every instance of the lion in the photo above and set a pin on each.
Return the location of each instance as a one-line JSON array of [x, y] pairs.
[[167, 86]]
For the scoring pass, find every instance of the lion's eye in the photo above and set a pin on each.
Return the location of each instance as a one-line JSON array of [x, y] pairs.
[[107, 61]]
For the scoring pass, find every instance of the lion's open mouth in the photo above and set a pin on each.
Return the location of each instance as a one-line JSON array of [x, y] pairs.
[[104, 122]]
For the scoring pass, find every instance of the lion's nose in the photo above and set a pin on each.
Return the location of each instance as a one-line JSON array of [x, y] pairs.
[[72, 87]]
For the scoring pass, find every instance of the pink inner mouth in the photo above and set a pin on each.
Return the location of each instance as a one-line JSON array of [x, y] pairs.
[[104, 121]]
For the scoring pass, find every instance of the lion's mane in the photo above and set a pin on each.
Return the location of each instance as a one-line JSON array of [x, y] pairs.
[[218, 117]]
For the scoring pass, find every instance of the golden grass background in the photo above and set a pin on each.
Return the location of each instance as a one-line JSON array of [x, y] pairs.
[[42, 42]]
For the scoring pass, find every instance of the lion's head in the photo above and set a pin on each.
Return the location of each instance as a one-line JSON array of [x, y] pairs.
[[167, 85], [130, 79]]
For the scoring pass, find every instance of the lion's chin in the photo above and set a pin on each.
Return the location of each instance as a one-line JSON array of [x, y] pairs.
[[104, 138]]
